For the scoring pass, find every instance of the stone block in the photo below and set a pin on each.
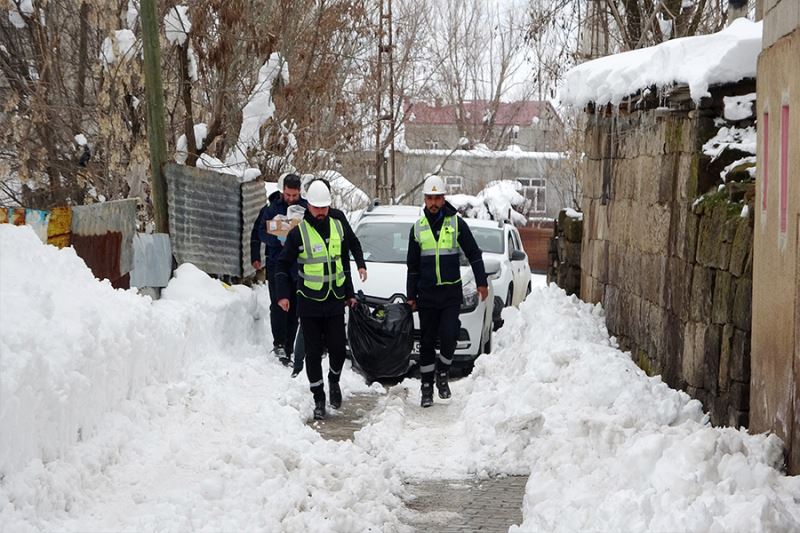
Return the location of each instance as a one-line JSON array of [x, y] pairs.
[[692, 231], [599, 261], [693, 353], [723, 298], [667, 177], [711, 355], [572, 228], [600, 217], [673, 348], [739, 395], [741, 248], [572, 253], [678, 284], [743, 303], [738, 419], [702, 294], [656, 229], [726, 349], [740, 356], [592, 178]]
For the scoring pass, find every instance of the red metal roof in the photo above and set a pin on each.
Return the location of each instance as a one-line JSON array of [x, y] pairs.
[[507, 114]]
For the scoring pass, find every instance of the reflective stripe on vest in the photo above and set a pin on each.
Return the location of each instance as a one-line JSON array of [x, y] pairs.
[[446, 245], [320, 266]]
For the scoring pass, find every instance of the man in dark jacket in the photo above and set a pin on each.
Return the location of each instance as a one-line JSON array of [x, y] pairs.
[[283, 324], [358, 257], [433, 283], [321, 249]]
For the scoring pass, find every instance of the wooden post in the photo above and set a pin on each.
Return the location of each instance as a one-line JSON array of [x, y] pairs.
[[154, 91]]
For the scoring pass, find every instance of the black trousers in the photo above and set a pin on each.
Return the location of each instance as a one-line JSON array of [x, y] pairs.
[[319, 333], [283, 323], [441, 323]]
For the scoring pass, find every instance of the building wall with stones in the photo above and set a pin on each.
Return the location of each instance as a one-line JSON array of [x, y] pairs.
[[564, 255], [672, 272], [775, 382]]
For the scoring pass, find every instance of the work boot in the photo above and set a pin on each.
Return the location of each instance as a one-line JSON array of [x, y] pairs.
[[335, 394], [295, 373], [441, 384], [427, 394], [319, 409]]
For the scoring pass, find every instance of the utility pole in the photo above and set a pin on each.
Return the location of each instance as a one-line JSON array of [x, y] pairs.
[[155, 112], [384, 184]]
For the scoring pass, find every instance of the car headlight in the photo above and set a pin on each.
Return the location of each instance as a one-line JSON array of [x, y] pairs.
[[469, 297]]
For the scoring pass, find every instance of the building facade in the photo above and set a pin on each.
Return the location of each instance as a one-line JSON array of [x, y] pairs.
[[775, 377]]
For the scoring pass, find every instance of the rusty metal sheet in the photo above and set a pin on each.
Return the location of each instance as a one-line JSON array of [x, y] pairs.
[[101, 253], [104, 220], [17, 215], [152, 260], [205, 221], [58, 227], [536, 242], [254, 197]]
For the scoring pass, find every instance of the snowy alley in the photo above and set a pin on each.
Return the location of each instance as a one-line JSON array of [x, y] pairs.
[[118, 413]]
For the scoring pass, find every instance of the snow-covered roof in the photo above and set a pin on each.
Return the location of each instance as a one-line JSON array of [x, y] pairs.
[[701, 61]]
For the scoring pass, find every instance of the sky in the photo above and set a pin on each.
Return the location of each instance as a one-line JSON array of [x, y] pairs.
[[126, 414]]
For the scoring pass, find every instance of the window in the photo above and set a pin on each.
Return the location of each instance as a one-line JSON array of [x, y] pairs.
[[454, 184], [534, 189], [489, 239], [513, 133], [784, 172], [510, 246], [432, 144], [765, 175]]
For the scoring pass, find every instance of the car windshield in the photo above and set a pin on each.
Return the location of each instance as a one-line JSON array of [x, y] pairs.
[[384, 242], [489, 239], [387, 242]]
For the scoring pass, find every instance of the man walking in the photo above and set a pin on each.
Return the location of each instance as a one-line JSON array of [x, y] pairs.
[[283, 323], [434, 283], [321, 249]]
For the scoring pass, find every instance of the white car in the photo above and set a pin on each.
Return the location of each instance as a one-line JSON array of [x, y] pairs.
[[383, 232], [500, 241]]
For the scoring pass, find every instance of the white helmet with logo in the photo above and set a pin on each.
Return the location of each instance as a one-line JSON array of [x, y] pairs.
[[318, 194], [433, 185]]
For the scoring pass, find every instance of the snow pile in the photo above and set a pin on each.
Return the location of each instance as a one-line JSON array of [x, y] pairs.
[[177, 25], [499, 200], [259, 107], [738, 107], [607, 448], [724, 57], [119, 413], [344, 195], [17, 16], [732, 138], [118, 47]]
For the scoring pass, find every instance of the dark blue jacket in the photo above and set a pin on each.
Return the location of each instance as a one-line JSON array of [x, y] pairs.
[[259, 233]]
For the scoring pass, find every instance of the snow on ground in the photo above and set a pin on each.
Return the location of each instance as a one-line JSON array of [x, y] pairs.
[[120, 413]]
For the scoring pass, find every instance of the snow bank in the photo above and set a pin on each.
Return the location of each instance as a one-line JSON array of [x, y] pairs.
[[344, 195], [123, 414], [74, 347], [606, 447], [727, 56]]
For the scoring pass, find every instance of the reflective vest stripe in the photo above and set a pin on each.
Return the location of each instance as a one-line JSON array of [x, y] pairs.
[[314, 256], [445, 245]]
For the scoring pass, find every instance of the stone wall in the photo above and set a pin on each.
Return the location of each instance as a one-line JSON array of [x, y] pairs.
[[565, 253], [672, 270]]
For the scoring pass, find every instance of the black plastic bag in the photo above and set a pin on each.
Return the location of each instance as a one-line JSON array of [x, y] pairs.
[[381, 339]]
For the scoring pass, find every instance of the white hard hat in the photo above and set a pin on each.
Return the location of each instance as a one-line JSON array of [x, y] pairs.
[[434, 185], [318, 194]]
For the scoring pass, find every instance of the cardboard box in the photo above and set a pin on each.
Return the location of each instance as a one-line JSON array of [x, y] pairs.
[[280, 227]]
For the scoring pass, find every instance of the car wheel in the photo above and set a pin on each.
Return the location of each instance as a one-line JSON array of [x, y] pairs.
[[510, 297]]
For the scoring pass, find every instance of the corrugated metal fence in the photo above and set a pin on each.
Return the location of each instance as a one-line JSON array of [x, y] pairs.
[[210, 218]]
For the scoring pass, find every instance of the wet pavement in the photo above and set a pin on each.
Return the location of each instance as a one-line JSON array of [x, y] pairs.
[[439, 506]]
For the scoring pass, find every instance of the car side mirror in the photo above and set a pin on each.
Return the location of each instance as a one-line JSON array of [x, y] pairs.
[[518, 255], [492, 266]]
